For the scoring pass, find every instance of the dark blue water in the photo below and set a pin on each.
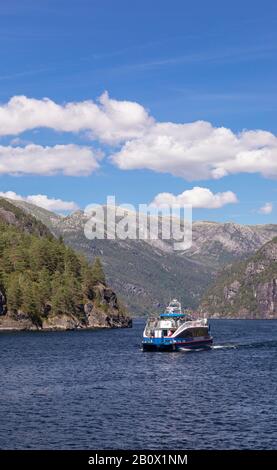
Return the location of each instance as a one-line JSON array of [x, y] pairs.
[[97, 389]]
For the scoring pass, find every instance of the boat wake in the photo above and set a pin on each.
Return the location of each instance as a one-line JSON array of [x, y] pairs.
[[259, 345], [253, 345], [225, 346], [187, 350]]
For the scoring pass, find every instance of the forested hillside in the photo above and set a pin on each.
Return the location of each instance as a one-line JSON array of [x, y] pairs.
[[41, 278]]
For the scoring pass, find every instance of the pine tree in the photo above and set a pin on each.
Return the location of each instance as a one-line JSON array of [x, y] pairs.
[[97, 272], [38, 271], [44, 286], [59, 300], [14, 293], [31, 303], [20, 258], [40, 254], [87, 282], [6, 262], [72, 265], [67, 295]]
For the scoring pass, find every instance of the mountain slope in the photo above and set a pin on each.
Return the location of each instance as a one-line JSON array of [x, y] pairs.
[[24, 220], [148, 273], [216, 244], [45, 284], [247, 289]]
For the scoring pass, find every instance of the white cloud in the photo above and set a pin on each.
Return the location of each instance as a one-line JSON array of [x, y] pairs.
[[70, 160], [18, 141], [193, 151], [198, 151], [197, 197], [267, 208], [108, 120], [42, 200]]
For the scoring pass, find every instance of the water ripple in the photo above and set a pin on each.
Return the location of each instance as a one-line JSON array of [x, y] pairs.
[[98, 390]]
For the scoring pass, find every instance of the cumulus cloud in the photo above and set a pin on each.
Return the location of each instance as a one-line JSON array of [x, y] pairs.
[[197, 197], [198, 151], [193, 151], [107, 120], [70, 160], [267, 208], [42, 200]]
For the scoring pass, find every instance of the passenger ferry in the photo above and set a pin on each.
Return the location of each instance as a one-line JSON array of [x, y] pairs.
[[175, 330]]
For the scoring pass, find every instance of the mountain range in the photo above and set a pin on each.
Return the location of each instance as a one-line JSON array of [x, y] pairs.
[[148, 273], [246, 289]]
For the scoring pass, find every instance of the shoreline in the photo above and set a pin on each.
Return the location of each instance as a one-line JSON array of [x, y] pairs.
[[97, 327], [47, 330]]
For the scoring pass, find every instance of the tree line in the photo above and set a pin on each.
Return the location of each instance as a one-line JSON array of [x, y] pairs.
[[42, 274]]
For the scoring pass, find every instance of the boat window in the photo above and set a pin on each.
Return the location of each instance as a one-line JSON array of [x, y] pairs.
[[185, 334], [199, 331]]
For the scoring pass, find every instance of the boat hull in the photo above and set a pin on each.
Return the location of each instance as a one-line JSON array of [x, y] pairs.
[[171, 345]]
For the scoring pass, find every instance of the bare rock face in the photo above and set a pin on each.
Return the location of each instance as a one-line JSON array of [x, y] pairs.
[[12, 322], [228, 240], [247, 289], [231, 291], [3, 307], [100, 308], [7, 216], [60, 322], [96, 318], [266, 295], [145, 273], [103, 311]]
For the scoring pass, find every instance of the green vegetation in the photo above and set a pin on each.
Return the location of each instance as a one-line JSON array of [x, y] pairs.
[[147, 275], [21, 219], [238, 287], [97, 273], [40, 275]]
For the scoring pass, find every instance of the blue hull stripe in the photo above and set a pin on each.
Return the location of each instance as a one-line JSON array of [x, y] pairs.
[[162, 342]]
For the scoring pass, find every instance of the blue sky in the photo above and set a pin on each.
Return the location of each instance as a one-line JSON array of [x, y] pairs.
[[182, 61]]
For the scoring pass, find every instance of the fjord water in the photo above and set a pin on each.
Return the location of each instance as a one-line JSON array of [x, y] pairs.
[[98, 390]]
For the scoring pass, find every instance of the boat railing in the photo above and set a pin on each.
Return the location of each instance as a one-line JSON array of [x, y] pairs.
[[192, 323]]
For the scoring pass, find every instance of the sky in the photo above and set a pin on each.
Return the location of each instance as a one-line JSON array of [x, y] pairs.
[[151, 101]]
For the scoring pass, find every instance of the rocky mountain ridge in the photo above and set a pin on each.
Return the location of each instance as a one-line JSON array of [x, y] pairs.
[[147, 273], [247, 289]]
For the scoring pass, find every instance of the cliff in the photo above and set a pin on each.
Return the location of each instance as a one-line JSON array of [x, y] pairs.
[[46, 285], [247, 289], [146, 273], [102, 311]]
